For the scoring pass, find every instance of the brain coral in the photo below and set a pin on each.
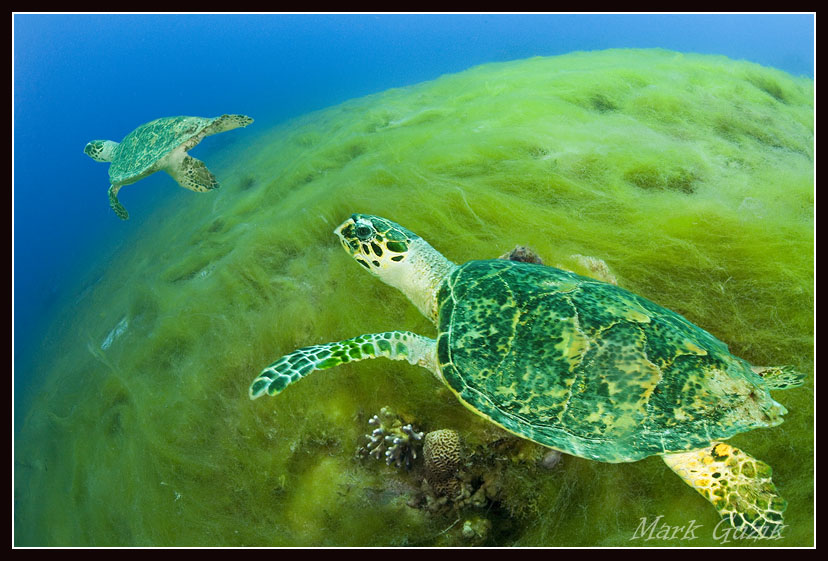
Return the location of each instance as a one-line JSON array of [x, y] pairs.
[[441, 452]]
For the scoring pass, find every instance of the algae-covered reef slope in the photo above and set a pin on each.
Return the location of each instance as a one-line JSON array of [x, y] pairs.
[[690, 177]]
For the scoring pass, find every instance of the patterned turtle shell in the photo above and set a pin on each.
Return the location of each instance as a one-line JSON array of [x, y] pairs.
[[589, 368], [140, 151]]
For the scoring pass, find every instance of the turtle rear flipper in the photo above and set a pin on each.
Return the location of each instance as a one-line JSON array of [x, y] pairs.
[[738, 485], [193, 174], [116, 204]]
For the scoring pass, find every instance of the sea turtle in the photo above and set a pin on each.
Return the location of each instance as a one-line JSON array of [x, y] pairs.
[[572, 363], [161, 144]]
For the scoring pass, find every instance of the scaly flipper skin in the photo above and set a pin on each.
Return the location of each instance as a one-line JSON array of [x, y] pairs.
[[227, 123], [738, 485], [780, 377], [116, 204], [193, 174], [396, 345]]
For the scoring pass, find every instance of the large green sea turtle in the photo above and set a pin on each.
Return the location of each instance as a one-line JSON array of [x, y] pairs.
[[161, 144], [572, 363]]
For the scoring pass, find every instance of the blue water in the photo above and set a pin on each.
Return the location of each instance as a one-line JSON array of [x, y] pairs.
[[84, 77]]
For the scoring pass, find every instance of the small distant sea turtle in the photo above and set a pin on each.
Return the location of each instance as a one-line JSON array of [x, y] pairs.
[[572, 363], [161, 144]]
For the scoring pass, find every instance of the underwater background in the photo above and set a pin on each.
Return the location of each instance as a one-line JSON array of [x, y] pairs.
[[676, 149]]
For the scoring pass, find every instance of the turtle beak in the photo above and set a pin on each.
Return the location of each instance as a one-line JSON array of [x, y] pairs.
[[342, 226], [342, 233]]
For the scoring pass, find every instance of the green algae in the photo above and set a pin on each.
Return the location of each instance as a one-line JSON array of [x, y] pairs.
[[691, 176]]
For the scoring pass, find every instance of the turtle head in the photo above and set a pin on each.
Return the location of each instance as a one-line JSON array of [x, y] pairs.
[[375, 243], [398, 256], [101, 150]]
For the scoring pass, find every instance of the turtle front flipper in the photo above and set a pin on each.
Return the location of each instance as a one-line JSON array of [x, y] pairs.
[[116, 204], [738, 485], [226, 123], [193, 174], [396, 345]]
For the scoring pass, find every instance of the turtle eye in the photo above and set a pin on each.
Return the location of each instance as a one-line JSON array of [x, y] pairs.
[[364, 232]]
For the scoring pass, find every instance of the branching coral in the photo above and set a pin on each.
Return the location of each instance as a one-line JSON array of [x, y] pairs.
[[392, 440]]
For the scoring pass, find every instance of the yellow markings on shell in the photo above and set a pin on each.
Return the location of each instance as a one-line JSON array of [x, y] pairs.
[[628, 309], [559, 393], [694, 349], [597, 414], [679, 415], [636, 316], [509, 391], [610, 418], [529, 406], [574, 344], [629, 387]]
